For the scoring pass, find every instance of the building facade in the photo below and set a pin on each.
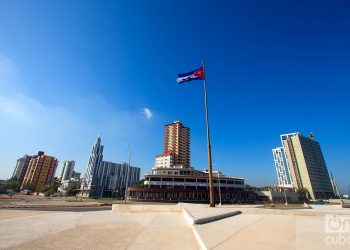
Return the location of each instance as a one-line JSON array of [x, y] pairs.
[[334, 186], [306, 165], [177, 142], [113, 178], [21, 168], [173, 179], [106, 178], [282, 169], [278, 194], [69, 184], [76, 175], [40, 173], [178, 184], [166, 160], [90, 181], [66, 171]]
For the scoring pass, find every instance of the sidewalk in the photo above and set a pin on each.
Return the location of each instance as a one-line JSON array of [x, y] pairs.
[[141, 226], [95, 230]]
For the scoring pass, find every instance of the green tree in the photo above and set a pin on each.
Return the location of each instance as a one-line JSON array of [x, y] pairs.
[[138, 184], [70, 192], [45, 189], [52, 188], [13, 184], [48, 193]]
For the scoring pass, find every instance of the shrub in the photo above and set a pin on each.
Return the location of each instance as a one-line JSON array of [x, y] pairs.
[[70, 192], [48, 193]]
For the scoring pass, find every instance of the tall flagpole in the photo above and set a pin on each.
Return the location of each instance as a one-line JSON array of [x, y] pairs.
[[211, 186]]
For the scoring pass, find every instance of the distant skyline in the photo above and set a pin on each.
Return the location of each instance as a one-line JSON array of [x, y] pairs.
[[72, 70]]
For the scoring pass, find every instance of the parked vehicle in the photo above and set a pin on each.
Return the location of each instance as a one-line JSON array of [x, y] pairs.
[[26, 192]]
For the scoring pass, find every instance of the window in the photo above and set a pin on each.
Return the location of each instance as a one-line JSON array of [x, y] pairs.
[[155, 179], [179, 179], [167, 179]]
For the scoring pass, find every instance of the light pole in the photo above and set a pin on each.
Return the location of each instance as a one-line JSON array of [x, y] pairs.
[[285, 197], [219, 188], [218, 179], [127, 174], [102, 192]]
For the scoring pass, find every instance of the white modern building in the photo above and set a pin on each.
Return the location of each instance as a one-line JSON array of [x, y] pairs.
[[66, 171], [69, 184], [113, 177], [282, 169], [302, 157], [90, 181], [106, 178]]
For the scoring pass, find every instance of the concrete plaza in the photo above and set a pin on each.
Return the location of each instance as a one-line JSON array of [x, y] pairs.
[[138, 227]]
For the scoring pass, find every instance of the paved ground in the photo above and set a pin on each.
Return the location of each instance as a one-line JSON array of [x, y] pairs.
[[255, 228], [280, 229], [93, 230], [260, 231]]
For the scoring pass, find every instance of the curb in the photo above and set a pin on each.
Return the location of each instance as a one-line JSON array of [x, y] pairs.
[[216, 217], [193, 221], [190, 220]]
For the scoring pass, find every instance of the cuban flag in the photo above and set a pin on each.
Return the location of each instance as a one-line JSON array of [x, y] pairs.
[[197, 74]]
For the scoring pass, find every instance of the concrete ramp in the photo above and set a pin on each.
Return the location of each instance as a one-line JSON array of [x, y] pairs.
[[166, 230]]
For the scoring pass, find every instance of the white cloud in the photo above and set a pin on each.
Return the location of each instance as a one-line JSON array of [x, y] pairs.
[[28, 125], [148, 113]]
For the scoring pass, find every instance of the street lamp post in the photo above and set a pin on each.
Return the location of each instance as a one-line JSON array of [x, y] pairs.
[[218, 179], [219, 188], [101, 192], [285, 197], [127, 174]]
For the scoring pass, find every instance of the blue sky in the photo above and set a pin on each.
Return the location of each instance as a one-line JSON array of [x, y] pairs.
[[72, 69]]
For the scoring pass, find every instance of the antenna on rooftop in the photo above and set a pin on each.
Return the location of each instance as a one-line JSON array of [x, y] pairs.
[[311, 136]]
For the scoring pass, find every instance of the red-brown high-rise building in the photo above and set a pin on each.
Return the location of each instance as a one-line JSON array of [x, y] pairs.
[[177, 142], [40, 172]]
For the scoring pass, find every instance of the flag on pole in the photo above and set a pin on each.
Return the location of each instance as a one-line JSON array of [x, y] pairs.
[[197, 74]]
